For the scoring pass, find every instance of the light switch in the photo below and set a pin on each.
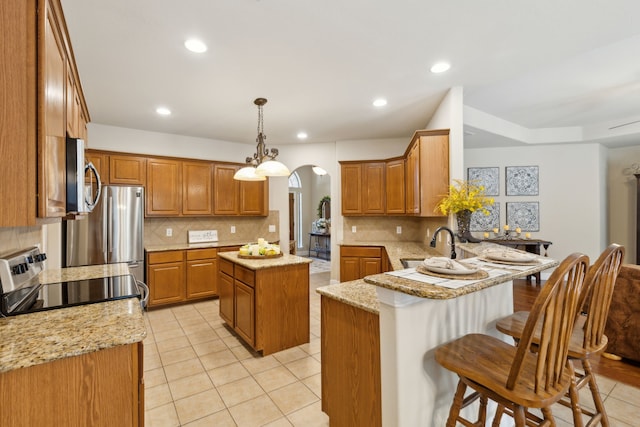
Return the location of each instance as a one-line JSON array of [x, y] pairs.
[[169, 232]]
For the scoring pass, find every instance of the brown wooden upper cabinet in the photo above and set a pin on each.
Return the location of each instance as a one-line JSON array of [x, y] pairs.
[[232, 197], [197, 180], [127, 169], [101, 162], [164, 187], [408, 185]]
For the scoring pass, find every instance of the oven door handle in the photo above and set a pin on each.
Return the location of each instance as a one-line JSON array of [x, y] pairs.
[[144, 293]]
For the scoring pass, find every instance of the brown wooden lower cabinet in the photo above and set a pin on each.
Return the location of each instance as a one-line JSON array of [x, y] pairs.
[[350, 359], [357, 262], [101, 388], [267, 307]]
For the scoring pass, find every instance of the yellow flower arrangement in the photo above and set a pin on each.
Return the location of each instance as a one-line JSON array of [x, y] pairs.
[[465, 195]]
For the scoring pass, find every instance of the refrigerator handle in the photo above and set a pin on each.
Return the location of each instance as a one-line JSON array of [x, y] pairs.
[[109, 224]]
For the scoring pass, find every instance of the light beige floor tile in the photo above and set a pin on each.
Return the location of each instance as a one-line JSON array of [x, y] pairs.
[[232, 341], [290, 354], [152, 362], [203, 336], [165, 327], [189, 386], [223, 331], [228, 373], [312, 347], [198, 406], [605, 385], [260, 364], [304, 368], [239, 391], [217, 359], [157, 396], [293, 397], [314, 383], [195, 319], [154, 377], [168, 334], [162, 416], [243, 353], [219, 419], [309, 416], [197, 328], [183, 369], [255, 412], [281, 422], [275, 378], [208, 347], [173, 344], [622, 410], [179, 355], [626, 393]]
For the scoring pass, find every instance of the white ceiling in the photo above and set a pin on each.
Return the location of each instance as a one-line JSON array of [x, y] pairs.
[[544, 71]]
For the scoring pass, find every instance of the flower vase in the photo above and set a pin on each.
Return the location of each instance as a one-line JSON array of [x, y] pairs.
[[463, 218]]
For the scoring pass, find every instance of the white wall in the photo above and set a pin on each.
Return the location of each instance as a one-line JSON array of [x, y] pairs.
[[449, 115], [571, 192]]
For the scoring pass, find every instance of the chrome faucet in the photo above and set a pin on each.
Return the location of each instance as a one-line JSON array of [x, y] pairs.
[[453, 240]]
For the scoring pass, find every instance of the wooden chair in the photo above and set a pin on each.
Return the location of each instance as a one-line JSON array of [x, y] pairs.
[[588, 337], [516, 377]]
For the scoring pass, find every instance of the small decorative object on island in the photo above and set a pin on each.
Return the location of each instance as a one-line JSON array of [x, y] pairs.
[[465, 197], [262, 249]]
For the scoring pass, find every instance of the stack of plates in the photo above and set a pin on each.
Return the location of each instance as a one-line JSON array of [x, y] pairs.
[[510, 256]]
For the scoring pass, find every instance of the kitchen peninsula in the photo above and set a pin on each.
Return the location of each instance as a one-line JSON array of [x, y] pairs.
[[78, 365], [265, 300], [414, 318]]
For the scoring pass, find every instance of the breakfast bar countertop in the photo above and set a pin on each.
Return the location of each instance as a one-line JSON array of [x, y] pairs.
[[44, 336]]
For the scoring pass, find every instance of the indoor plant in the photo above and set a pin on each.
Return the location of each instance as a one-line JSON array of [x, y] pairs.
[[464, 198]]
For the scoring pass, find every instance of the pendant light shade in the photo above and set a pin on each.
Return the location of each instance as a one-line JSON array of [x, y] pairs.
[[263, 163]]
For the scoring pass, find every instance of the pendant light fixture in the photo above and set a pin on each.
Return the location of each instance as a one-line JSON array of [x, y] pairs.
[[263, 163]]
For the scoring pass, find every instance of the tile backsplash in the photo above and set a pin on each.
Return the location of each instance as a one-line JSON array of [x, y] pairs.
[[376, 229], [248, 229], [14, 238]]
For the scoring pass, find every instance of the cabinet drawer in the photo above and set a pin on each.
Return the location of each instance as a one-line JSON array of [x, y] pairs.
[[201, 253], [246, 276], [162, 257], [229, 249], [361, 251], [225, 266]]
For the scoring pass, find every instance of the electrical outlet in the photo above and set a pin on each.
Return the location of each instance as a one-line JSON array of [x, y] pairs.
[[353, 229], [272, 228], [399, 229], [169, 232], [233, 229]]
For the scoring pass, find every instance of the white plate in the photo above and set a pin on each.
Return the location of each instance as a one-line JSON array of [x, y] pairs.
[[510, 256], [449, 271]]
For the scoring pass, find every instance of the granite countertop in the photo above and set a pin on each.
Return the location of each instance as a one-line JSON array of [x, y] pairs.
[[41, 337], [261, 263], [359, 293], [183, 246]]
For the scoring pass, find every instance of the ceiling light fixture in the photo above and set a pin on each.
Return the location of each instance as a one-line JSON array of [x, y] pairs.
[[302, 135], [380, 102], [195, 45], [263, 163], [163, 111], [318, 170], [440, 67]]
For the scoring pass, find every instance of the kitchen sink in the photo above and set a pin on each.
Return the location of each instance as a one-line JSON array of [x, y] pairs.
[[411, 262]]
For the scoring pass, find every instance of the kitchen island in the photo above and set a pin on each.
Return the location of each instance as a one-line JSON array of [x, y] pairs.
[[78, 365], [415, 316], [265, 300]]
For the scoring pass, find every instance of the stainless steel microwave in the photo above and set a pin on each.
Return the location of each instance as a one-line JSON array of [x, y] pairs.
[[83, 179]]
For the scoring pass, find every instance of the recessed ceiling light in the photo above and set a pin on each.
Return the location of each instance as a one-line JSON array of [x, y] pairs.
[[302, 135], [195, 45], [163, 111], [380, 102], [440, 67]]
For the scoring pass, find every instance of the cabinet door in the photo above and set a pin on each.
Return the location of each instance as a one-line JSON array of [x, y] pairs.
[[351, 183], [226, 293], [201, 278], [52, 138], [395, 187], [413, 180], [164, 187], [127, 170], [166, 283], [225, 190], [254, 197], [373, 188], [197, 179], [434, 173], [245, 312], [349, 268], [369, 266]]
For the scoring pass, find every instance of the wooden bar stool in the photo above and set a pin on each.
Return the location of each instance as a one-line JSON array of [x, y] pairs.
[[518, 378], [588, 336]]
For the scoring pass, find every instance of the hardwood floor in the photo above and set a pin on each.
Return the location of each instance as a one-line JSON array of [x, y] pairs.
[[625, 371]]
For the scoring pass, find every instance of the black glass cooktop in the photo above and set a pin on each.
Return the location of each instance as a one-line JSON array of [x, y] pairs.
[[68, 294]]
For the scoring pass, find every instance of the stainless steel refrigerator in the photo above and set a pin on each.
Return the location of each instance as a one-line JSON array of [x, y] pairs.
[[112, 233]]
